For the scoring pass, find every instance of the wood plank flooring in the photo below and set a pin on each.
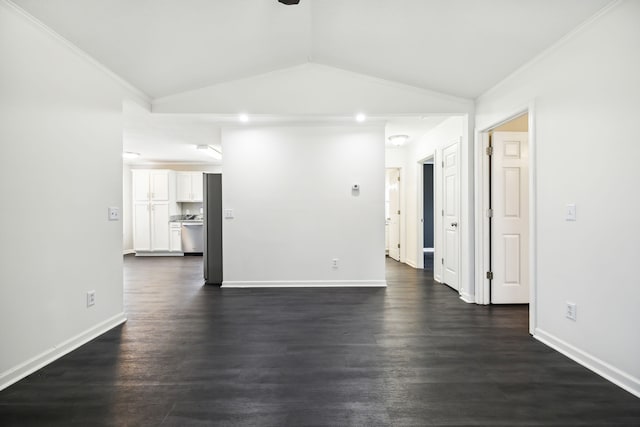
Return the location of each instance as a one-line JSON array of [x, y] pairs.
[[410, 355]]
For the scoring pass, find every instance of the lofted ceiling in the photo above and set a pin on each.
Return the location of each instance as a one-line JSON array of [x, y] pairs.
[[457, 47]]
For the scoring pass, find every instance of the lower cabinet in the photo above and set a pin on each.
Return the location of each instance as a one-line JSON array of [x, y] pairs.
[[175, 237], [151, 227]]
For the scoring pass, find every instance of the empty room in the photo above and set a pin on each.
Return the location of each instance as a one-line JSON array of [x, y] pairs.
[[319, 212]]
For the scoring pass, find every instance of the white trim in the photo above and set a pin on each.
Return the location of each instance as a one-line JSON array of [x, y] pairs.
[[482, 224], [437, 278], [468, 298], [411, 263], [15, 374], [136, 93], [550, 50], [128, 252], [600, 367], [305, 284]]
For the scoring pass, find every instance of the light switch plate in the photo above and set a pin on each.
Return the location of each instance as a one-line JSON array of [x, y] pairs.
[[571, 212], [228, 213], [114, 214]]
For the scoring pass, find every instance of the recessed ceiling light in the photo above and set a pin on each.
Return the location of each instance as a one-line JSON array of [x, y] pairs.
[[398, 139], [130, 155], [244, 118], [360, 117], [210, 151]]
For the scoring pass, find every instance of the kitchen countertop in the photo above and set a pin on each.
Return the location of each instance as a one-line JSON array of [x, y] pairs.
[[191, 219]]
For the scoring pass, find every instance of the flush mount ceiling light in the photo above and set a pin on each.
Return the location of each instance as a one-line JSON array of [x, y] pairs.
[[398, 139], [360, 117], [244, 118], [210, 151], [130, 155], [289, 2]]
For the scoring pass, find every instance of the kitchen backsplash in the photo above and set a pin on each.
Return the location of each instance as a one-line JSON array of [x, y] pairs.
[[193, 208]]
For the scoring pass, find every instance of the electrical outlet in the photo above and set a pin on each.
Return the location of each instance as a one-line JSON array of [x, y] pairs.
[[114, 214], [570, 311], [571, 212], [334, 263], [91, 298]]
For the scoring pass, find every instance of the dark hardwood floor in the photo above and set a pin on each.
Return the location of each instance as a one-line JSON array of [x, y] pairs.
[[411, 354]]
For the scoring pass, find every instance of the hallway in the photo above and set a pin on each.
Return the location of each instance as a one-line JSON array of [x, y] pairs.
[[410, 354]]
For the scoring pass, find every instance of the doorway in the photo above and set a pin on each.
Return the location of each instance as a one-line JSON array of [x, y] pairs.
[[392, 213], [505, 251], [428, 225]]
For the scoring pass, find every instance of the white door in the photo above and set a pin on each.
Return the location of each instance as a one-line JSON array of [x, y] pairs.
[[196, 187], [160, 226], [183, 184], [141, 192], [393, 218], [159, 185], [141, 227], [510, 221], [451, 215]]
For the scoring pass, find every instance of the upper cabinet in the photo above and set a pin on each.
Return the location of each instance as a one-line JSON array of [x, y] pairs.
[[189, 186], [151, 185]]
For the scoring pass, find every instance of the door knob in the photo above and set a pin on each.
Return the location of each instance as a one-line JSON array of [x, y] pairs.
[[454, 224]]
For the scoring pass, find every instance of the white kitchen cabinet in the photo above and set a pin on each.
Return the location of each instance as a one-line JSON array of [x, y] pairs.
[[141, 227], [151, 185], [160, 226], [154, 202], [175, 237], [189, 186]]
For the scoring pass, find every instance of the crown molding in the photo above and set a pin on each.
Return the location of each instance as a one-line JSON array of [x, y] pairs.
[[132, 91]]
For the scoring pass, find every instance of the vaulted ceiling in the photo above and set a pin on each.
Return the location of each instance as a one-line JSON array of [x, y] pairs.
[[458, 47]]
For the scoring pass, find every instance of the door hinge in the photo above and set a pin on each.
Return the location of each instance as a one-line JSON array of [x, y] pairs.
[[398, 245], [442, 214], [442, 163], [490, 213], [489, 150], [490, 275], [398, 178], [442, 261], [398, 211]]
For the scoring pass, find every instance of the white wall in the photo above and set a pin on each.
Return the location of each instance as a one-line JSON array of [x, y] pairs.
[[55, 108], [290, 190], [587, 104]]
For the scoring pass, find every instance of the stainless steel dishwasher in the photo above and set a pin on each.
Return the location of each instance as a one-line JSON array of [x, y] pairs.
[[192, 237]]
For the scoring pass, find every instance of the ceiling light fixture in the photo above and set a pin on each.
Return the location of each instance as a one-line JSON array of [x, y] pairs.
[[289, 2], [210, 151], [398, 139], [360, 117], [130, 155], [244, 118]]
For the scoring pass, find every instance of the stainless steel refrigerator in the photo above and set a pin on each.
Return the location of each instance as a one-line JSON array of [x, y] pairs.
[[212, 216]]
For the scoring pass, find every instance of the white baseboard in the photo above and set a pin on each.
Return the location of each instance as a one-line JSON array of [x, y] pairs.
[[469, 299], [600, 367], [128, 252], [306, 284], [15, 374], [411, 263], [437, 278]]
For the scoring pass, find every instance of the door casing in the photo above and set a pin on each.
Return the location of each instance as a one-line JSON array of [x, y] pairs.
[[481, 191]]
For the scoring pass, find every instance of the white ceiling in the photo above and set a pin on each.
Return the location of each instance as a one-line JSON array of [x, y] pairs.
[[164, 47], [459, 47]]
